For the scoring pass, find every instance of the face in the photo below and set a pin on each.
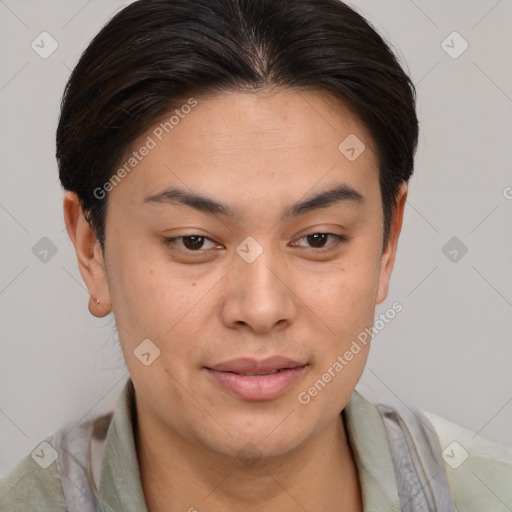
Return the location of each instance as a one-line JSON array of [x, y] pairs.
[[280, 274]]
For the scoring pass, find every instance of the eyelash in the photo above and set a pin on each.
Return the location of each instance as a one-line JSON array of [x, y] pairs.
[[339, 239]]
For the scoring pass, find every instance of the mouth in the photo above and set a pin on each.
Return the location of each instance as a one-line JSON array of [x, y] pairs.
[[262, 373], [254, 380]]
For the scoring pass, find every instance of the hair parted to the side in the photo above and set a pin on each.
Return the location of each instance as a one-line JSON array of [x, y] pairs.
[[154, 54]]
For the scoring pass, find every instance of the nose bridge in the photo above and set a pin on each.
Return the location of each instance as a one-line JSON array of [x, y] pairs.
[[256, 267], [259, 296]]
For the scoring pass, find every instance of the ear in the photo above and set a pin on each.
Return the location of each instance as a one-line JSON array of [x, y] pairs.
[[389, 253], [89, 255]]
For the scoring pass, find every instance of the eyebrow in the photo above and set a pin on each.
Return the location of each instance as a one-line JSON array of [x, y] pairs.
[[338, 194]]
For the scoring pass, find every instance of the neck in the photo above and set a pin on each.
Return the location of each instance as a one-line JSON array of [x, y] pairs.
[[321, 475]]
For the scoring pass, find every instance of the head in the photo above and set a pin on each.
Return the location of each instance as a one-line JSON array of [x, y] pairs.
[[236, 180]]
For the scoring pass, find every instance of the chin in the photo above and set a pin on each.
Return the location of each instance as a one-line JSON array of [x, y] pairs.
[[259, 439]]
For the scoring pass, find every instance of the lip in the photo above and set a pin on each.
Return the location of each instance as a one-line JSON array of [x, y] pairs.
[[249, 366], [251, 379]]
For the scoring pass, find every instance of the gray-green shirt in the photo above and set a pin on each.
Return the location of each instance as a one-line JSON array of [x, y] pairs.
[[479, 471]]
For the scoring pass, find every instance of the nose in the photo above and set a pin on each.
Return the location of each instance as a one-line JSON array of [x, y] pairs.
[[259, 295]]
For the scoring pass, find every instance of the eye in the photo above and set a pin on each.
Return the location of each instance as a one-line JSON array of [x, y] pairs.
[[196, 243], [191, 243], [318, 240]]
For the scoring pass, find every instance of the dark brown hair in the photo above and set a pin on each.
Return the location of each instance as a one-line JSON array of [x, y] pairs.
[[154, 54]]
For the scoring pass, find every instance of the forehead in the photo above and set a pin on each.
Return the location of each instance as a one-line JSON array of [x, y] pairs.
[[249, 145], [244, 122]]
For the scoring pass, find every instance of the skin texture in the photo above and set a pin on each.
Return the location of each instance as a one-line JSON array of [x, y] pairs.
[[304, 299]]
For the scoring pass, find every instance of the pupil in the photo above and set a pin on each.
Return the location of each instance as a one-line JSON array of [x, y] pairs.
[[315, 238], [197, 241]]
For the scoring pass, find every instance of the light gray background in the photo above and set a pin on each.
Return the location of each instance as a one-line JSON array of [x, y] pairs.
[[449, 351]]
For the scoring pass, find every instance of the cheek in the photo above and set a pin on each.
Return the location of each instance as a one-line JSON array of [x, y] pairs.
[[344, 298], [140, 281], [132, 285], [152, 302]]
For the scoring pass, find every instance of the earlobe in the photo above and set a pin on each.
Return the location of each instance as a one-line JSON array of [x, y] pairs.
[[97, 309], [389, 254], [89, 255]]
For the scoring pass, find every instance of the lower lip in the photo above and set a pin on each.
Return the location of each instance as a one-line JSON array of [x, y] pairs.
[[257, 387]]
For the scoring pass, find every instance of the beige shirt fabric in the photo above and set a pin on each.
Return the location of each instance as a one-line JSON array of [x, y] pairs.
[[482, 482]]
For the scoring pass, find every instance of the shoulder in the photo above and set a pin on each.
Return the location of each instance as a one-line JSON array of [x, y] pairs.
[[34, 480], [479, 471]]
